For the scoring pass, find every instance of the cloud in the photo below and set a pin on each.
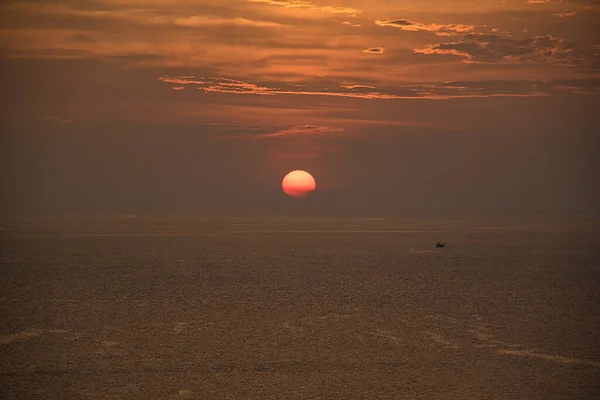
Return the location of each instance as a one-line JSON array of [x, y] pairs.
[[266, 43], [565, 14], [299, 131], [57, 120], [431, 91], [220, 85], [437, 29], [348, 23], [589, 4], [374, 50], [563, 1], [303, 130], [357, 87], [570, 87], [71, 15], [148, 34], [195, 21], [309, 6], [489, 48]]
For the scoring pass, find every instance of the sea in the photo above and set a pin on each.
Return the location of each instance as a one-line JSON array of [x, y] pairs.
[[267, 307]]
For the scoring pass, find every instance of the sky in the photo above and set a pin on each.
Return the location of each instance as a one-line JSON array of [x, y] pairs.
[[396, 107]]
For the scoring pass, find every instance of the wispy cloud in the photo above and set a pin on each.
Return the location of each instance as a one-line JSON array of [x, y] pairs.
[[348, 23], [357, 87], [587, 4], [303, 130], [195, 21], [309, 6], [306, 131], [489, 48], [57, 120], [575, 89], [433, 91], [437, 29], [147, 16], [565, 14]]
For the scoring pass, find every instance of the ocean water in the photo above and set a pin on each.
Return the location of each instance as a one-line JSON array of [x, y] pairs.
[[298, 308]]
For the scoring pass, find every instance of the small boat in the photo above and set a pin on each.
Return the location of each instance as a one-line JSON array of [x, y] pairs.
[[440, 244]]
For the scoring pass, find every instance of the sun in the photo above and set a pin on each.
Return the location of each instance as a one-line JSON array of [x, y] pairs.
[[298, 184]]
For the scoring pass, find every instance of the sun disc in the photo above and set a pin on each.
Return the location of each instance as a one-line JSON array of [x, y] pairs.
[[298, 184]]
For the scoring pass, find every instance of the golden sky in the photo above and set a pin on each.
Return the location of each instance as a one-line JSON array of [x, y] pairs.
[[295, 83]]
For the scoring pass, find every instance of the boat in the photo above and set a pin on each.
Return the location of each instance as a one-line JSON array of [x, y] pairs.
[[440, 244]]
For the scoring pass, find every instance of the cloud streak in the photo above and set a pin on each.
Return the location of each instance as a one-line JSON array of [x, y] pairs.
[[351, 24], [433, 91], [301, 4], [57, 120], [300, 131], [437, 29], [565, 14]]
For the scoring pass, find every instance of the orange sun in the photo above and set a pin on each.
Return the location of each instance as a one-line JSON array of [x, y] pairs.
[[298, 183]]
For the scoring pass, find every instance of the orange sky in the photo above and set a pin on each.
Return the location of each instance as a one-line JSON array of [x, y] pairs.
[[286, 84]]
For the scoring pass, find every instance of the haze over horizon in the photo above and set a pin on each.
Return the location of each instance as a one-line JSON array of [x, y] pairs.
[[395, 107]]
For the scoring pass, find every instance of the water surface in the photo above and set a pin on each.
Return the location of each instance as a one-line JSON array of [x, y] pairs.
[[298, 308]]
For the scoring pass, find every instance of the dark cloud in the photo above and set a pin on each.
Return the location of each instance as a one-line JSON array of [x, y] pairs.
[[375, 50], [400, 22]]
